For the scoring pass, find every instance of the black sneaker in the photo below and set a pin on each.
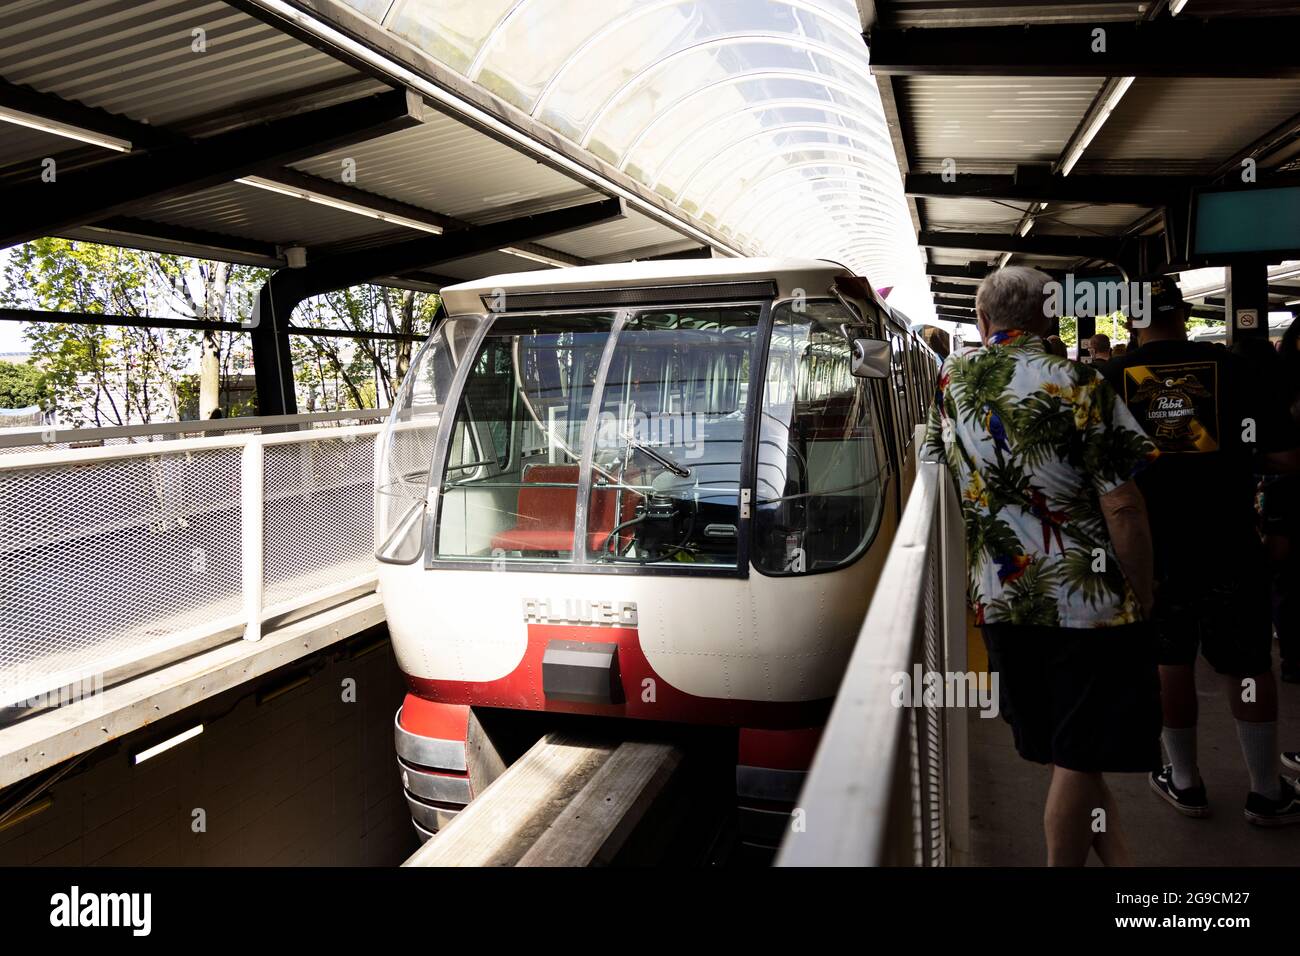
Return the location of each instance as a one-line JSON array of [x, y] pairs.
[[1264, 812], [1291, 760], [1191, 802]]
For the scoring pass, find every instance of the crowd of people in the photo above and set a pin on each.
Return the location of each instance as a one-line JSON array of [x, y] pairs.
[[1123, 517]]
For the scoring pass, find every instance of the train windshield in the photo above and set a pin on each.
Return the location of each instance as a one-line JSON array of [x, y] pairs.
[[620, 434], [617, 439]]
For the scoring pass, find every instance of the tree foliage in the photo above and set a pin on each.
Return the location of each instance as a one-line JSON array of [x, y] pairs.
[[342, 372], [114, 374], [22, 386]]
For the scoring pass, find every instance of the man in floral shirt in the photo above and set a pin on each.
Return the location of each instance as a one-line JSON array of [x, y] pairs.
[[1043, 455]]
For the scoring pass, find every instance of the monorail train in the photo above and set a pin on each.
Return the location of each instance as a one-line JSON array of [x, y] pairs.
[[659, 491]]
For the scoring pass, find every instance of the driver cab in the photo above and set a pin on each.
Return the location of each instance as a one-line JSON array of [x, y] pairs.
[[698, 426]]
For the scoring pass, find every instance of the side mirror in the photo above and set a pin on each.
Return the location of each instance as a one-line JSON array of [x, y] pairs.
[[871, 358]]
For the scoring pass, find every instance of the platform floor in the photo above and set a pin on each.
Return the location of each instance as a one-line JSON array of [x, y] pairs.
[[1007, 795]]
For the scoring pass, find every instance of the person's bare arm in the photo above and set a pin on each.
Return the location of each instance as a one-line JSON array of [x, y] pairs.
[[1125, 511]]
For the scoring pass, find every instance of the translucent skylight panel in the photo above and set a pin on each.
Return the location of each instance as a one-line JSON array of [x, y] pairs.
[[759, 117]]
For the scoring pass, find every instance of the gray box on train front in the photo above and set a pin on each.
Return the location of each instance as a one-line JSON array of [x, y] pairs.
[[581, 671]]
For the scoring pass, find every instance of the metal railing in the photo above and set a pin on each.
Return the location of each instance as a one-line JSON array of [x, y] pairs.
[[120, 558], [888, 785], [36, 438]]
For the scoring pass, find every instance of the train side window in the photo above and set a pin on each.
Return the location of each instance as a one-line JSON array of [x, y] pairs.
[[818, 482], [403, 473]]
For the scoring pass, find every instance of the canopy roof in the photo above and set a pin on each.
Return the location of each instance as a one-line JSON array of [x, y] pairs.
[[761, 120]]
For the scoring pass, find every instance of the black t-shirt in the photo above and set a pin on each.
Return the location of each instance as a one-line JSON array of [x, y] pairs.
[[1208, 412]]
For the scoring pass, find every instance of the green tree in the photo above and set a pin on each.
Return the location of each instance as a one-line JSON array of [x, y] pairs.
[[1113, 325], [119, 374], [337, 372], [22, 386]]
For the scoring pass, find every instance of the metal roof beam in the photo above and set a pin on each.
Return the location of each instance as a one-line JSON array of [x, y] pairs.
[[293, 179], [953, 288], [1068, 247], [176, 240], [189, 325], [285, 289], [79, 197], [973, 272], [63, 112], [340, 271], [1024, 186], [1271, 149], [1262, 47]]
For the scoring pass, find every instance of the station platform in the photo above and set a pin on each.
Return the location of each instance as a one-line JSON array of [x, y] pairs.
[[1007, 795]]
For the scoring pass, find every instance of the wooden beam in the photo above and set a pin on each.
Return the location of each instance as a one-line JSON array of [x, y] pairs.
[[568, 801], [598, 821]]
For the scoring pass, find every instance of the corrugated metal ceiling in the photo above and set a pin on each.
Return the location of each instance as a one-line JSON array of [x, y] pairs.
[[138, 59], [985, 119], [991, 124], [248, 212], [1197, 123], [446, 167]]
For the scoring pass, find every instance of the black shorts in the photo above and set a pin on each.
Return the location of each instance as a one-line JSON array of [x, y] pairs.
[[1085, 699], [1228, 619]]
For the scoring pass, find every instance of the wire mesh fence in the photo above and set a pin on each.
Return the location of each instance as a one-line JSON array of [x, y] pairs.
[[120, 558]]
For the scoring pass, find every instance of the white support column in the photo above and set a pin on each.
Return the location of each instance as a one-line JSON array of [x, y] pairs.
[[252, 511]]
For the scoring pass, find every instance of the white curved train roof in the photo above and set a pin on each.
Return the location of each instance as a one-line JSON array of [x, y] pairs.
[[812, 276]]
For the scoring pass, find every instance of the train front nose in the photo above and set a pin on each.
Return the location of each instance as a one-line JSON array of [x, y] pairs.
[[445, 758]]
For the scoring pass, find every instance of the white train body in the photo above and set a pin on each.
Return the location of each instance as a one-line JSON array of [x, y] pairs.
[[653, 490]]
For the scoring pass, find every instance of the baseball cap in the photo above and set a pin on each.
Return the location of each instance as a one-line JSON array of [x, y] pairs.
[[1165, 296]]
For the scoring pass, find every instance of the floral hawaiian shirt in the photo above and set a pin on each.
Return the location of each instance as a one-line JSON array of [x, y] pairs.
[[1032, 442]]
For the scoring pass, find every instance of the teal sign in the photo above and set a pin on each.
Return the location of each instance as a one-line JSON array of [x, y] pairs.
[[1247, 221]]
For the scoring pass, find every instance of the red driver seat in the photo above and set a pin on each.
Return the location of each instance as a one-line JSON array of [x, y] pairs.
[[544, 518]]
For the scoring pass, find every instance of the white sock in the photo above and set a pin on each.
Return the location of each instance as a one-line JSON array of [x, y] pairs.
[[1259, 747], [1180, 745]]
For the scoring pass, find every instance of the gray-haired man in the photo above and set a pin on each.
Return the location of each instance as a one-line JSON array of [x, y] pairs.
[[1043, 455]]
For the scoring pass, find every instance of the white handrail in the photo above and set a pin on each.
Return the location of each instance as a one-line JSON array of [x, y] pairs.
[[35, 437], [75, 456]]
